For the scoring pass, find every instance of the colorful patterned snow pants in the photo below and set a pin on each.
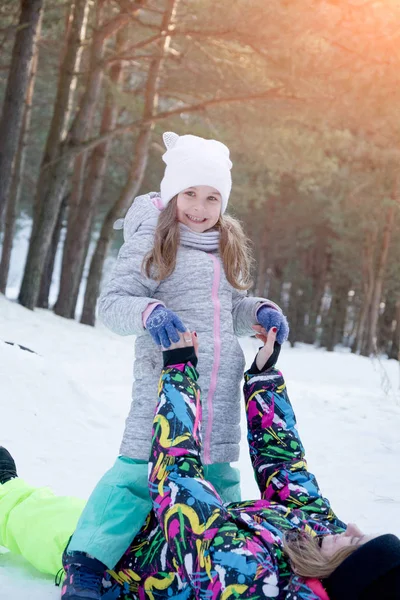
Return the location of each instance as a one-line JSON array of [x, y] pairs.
[[219, 559]]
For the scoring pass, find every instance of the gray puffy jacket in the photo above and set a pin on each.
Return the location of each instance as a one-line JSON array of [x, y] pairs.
[[200, 294]]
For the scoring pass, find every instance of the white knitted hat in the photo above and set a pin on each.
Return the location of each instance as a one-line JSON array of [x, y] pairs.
[[192, 161]]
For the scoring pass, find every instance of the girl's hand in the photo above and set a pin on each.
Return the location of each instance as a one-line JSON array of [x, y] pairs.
[[186, 340], [270, 317], [269, 339], [164, 326]]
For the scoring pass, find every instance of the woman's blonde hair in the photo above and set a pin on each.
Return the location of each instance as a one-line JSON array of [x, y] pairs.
[[234, 248], [306, 558]]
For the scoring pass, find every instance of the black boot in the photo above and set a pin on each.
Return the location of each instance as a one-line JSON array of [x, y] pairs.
[[84, 577], [8, 470]]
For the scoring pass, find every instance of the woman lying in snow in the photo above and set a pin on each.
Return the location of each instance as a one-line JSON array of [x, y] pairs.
[[288, 545]]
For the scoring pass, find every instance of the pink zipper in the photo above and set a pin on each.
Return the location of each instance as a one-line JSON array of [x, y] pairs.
[[217, 357]]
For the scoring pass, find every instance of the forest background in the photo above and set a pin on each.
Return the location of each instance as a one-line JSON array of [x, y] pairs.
[[305, 94]]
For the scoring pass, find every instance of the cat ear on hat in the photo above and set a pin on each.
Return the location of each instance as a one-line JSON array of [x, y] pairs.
[[170, 138]]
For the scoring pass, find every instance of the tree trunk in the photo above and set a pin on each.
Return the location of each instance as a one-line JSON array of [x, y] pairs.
[[137, 172], [16, 92], [296, 310], [42, 236], [356, 329], [369, 282], [275, 284], [318, 266], [377, 293], [71, 55], [88, 103], [54, 170], [395, 348], [45, 284], [80, 222], [314, 309], [335, 320], [16, 187], [70, 62], [385, 324], [262, 266], [265, 251], [130, 191], [50, 205]]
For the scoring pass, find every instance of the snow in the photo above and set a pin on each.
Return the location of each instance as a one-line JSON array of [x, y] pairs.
[[63, 412]]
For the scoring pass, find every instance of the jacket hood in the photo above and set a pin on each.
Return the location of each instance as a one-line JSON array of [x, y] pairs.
[[144, 212]]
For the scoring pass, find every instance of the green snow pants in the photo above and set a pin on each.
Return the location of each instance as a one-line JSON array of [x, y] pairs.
[[37, 524]]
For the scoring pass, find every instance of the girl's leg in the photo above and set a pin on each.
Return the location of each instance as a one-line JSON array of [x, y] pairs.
[[37, 524], [115, 512], [218, 559]]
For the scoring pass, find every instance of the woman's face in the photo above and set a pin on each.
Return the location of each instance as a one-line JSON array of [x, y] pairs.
[[199, 207], [353, 536]]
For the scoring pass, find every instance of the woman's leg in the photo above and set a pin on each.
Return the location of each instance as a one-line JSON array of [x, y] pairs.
[[218, 559], [37, 524], [115, 512]]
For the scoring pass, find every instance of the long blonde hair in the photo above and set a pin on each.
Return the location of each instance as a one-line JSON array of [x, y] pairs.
[[306, 558], [234, 248]]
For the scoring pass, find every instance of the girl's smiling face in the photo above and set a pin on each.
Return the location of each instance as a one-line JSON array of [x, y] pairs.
[[199, 207]]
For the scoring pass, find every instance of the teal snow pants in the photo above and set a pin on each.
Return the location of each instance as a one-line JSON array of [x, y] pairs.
[[120, 503]]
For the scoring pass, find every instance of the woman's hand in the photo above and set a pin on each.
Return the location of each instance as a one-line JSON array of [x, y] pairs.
[[186, 340], [269, 339]]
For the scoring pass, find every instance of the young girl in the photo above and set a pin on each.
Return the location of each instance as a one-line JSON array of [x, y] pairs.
[[183, 264]]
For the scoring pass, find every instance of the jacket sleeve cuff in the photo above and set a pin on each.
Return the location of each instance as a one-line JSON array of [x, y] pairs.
[[148, 310], [269, 304], [180, 356], [273, 359]]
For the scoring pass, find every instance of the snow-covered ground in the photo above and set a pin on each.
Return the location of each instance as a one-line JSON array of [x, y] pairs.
[[63, 410]]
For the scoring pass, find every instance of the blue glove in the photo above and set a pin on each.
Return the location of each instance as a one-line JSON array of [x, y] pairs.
[[163, 326], [270, 317]]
